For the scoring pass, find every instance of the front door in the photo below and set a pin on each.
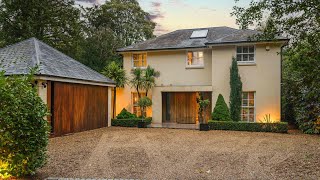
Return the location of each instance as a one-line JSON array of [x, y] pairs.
[[181, 107]]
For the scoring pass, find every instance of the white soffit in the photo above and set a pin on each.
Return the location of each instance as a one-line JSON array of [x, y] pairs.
[[199, 33]]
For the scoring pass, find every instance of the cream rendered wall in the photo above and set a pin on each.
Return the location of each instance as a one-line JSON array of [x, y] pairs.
[[173, 75], [264, 78], [42, 92]]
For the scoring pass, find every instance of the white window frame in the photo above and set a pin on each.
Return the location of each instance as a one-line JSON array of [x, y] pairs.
[[194, 66], [254, 54], [254, 106], [132, 63]]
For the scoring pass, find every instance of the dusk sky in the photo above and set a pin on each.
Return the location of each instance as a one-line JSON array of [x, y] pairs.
[[171, 15]]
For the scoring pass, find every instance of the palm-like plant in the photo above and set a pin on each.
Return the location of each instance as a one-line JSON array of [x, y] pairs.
[[137, 80], [149, 79], [118, 75]]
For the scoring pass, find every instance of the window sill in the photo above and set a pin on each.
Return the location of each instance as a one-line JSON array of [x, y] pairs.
[[247, 64], [195, 67]]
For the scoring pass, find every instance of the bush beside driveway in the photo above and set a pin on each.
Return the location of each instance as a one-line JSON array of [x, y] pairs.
[[182, 154]]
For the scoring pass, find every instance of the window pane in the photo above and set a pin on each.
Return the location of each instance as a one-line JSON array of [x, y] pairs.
[[245, 49], [139, 60], [251, 118], [239, 49], [244, 102], [245, 95], [251, 95], [244, 117], [200, 55], [239, 57], [251, 49], [195, 58], [245, 57], [251, 110], [251, 57], [251, 102]]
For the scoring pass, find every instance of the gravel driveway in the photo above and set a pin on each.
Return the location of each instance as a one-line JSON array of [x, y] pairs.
[[182, 154]]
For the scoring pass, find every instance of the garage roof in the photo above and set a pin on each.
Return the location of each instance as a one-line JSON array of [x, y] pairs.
[[183, 38], [20, 57]]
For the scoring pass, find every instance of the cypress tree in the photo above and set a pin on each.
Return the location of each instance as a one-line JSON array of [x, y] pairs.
[[221, 110], [235, 92]]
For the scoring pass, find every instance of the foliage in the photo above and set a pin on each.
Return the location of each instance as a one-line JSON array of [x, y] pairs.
[[118, 75], [235, 92], [124, 114], [203, 105], [144, 103], [143, 79], [221, 110], [100, 48], [299, 21], [281, 127], [137, 80], [23, 129], [302, 73], [125, 18], [55, 22], [150, 76], [132, 122]]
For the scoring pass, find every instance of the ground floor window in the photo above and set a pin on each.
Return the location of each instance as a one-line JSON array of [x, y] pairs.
[[135, 99], [248, 107]]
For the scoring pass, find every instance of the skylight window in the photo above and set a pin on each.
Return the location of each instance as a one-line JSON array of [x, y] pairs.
[[199, 33]]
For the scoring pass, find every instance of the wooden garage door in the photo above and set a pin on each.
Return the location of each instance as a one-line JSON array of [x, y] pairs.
[[78, 107], [182, 107]]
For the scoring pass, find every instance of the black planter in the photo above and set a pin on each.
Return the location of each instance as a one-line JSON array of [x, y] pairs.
[[142, 124], [204, 127]]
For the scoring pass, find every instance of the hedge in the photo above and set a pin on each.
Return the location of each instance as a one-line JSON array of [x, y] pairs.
[[129, 122], [281, 127]]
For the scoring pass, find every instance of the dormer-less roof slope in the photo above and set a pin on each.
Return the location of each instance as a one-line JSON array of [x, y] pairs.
[[180, 39], [17, 59]]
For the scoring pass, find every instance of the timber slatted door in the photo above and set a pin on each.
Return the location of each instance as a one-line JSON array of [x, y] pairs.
[[181, 107], [78, 107]]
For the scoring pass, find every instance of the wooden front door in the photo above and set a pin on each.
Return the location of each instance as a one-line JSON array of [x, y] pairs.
[[181, 107], [77, 107]]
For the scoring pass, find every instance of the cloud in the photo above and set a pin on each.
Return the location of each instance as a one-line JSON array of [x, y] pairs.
[[156, 12]]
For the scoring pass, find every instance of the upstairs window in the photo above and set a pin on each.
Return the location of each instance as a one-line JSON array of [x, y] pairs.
[[246, 54], [195, 59], [139, 60]]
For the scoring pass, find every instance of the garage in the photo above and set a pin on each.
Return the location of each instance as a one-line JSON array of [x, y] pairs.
[[182, 107], [78, 98]]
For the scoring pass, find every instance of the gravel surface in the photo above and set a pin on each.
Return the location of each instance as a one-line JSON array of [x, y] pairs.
[[132, 153]]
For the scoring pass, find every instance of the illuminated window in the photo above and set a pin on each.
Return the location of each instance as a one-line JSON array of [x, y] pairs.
[[245, 54], [195, 59], [248, 107], [139, 60], [135, 99]]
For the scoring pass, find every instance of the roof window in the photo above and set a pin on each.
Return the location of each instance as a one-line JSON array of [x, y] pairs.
[[199, 34]]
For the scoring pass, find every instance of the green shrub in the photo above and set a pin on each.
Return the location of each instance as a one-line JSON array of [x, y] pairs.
[[23, 130], [129, 122], [281, 127], [221, 110], [124, 114]]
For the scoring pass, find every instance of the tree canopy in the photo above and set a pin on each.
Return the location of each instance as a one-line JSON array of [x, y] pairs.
[[56, 22], [299, 21]]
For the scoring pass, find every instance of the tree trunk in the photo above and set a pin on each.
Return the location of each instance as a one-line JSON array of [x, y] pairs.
[[114, 102]]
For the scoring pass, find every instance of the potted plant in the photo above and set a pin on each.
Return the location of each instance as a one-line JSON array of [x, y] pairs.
[[203, 105], [143, 103]]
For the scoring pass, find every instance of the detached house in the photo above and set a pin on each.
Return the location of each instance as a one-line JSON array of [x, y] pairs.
[[199, 60]]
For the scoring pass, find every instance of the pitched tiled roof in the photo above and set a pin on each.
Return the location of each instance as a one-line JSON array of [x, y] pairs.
[[180, 39], [19, 58]]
